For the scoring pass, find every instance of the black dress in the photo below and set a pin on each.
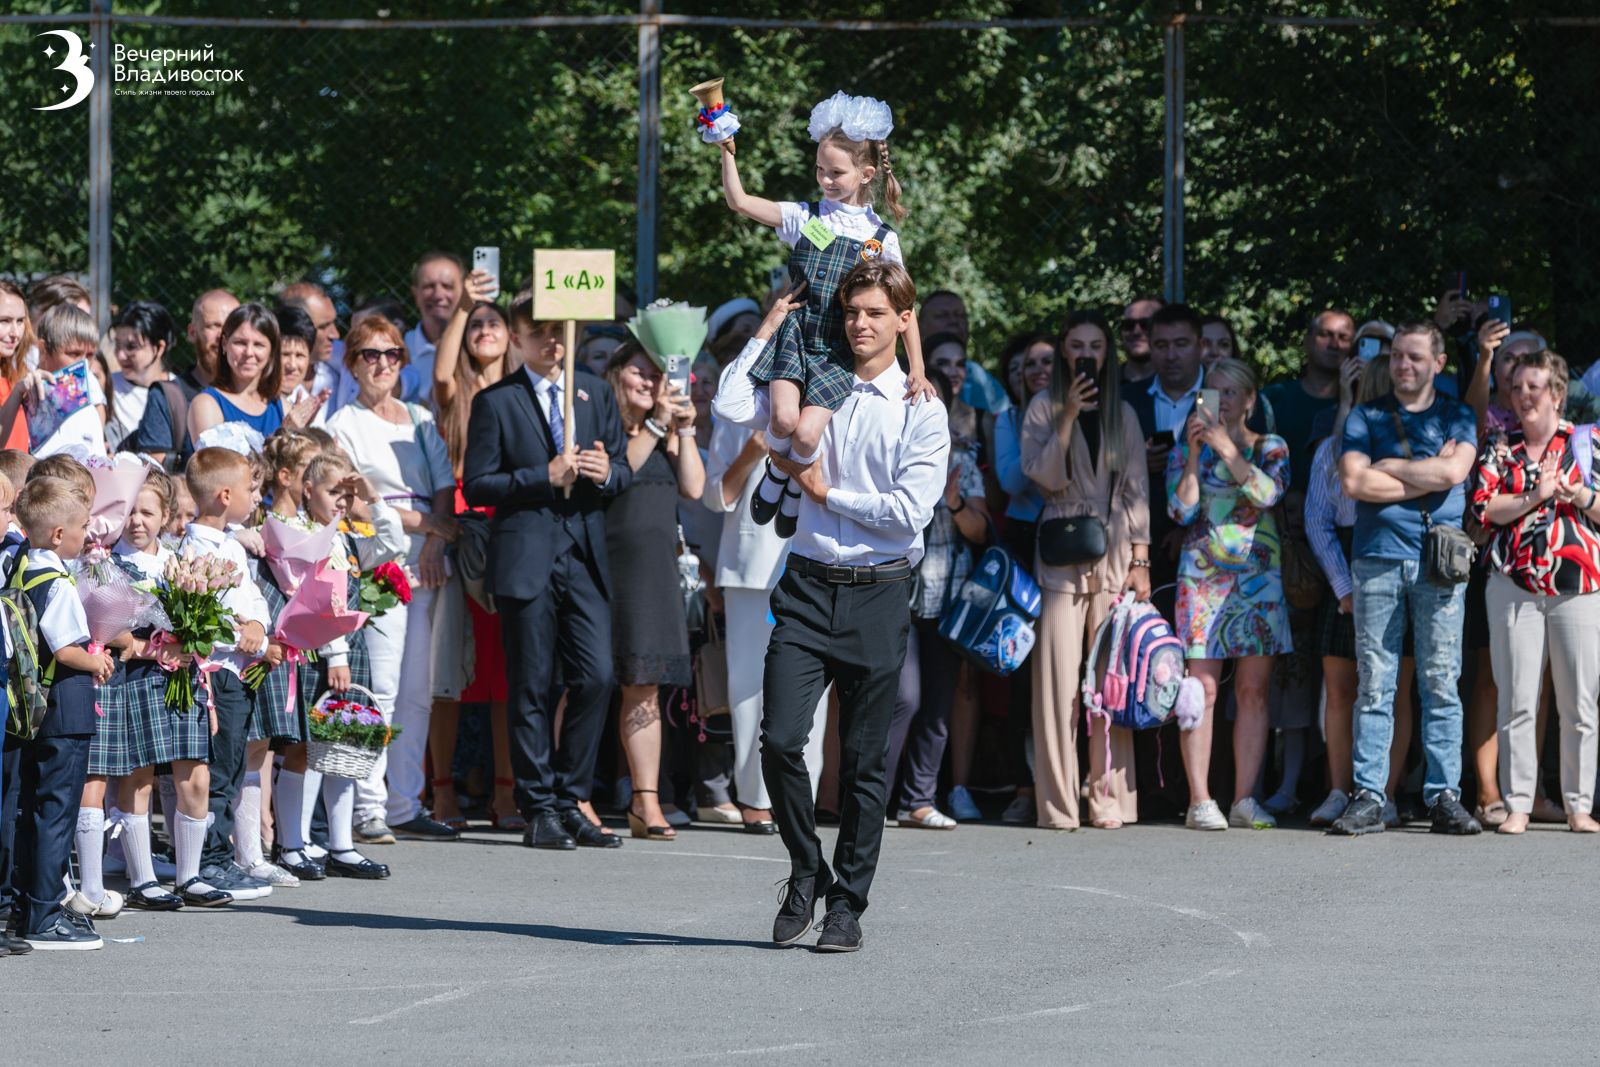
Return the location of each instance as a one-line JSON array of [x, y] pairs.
[[649, 637]]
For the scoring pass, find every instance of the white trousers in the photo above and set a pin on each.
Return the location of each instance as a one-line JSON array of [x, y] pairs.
[[749, 613], [1527, 631], [386, 641]]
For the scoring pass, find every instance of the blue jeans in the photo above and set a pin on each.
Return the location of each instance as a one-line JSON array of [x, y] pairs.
[[1387, 593]]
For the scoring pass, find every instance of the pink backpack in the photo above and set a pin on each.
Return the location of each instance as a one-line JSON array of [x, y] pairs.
[[1135, 677]]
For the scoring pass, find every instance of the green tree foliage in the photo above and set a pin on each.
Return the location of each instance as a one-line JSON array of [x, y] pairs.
[[1326, 164]]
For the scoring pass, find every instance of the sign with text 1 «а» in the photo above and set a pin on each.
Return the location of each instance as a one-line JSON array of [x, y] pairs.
[[574, 283]]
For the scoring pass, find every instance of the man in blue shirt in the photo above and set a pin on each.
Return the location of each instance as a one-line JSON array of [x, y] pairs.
[[1404, 461]]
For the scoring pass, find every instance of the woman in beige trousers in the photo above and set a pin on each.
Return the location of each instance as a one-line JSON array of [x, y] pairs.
[[1082, 446], [1536, 498]]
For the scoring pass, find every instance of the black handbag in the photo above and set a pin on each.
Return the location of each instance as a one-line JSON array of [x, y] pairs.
[[1071, 540]]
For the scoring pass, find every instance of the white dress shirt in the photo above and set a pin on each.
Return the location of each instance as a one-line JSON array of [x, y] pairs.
[[416, 377], [885, 459], [62, 622], [1172, 414], [244, 599]]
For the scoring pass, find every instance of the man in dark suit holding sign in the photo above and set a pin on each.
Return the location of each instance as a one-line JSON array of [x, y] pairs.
[[547, 567]]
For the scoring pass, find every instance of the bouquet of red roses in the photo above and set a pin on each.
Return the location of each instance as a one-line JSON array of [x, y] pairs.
[[383, 587]]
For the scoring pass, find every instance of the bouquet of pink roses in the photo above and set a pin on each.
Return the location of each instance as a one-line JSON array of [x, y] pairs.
[[190, 592]]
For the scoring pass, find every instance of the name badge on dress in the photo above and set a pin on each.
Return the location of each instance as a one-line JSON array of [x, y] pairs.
[[816, 231]]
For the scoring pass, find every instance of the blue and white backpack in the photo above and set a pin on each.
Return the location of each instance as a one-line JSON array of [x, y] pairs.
[[990, 621]]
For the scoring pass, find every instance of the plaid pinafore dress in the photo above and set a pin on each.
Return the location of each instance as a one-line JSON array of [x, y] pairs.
[[809, 349]]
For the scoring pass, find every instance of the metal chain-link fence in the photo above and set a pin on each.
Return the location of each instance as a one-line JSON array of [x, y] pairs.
[[1328, 159]]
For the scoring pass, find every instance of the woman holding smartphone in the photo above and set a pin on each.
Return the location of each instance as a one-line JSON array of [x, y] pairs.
[[1222, 482], [1082, 447]]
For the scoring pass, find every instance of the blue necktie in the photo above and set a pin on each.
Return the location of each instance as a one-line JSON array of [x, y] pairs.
[[557, 426]]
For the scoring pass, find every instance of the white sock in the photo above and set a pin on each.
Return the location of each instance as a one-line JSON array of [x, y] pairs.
[[339, 797], [289, 798], [309, 791], [779, 446], [247, 822], [169, 805], [136, 847], [91, 849], [188, 841]]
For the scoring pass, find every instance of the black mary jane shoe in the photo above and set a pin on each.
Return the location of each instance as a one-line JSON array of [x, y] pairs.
[[765, 826], [364, 868], [151, 897], [306, 869], [203, 898], [786, 523], [763, 511]]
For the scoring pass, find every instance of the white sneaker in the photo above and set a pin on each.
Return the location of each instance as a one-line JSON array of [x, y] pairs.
[[1249, 815], [1391, 817], [1331, 808], [934, 820], [1205, 816], [274, 875], [109, 906]]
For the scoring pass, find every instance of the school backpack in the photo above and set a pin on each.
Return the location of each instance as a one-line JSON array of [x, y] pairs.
[[1135, 674], [990, 621], [27, 688]]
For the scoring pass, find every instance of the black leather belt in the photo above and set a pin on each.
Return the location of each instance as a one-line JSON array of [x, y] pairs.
[[896, 570]]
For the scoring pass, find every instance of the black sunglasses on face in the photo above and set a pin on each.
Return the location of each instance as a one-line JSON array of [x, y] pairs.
[[1129, 325], [390, 355]]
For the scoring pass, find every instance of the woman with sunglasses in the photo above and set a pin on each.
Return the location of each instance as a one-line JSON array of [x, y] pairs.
[[396, 447]]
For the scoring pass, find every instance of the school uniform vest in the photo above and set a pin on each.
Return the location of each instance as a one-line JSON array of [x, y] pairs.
[[71, 699]]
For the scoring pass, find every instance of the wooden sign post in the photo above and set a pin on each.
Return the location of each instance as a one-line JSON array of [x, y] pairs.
[[571, 284]]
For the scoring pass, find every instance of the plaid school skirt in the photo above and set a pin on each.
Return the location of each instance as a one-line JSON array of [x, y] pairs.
[[109, 752], [272, 715], [809, 348], [156, 733], [314, 676]]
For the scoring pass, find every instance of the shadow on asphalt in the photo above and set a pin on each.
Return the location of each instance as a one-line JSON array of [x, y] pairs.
[[365, 920]]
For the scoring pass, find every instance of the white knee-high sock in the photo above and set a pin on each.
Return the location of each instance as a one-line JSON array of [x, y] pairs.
[[289, 798], [136, 847], [247, 822], [91, 849], [188, 841], [339, 796]]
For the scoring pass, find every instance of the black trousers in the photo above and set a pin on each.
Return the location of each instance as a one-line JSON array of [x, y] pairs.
[[571, 620], [43, 786], [920, 731], [853, 636], [227, 762]]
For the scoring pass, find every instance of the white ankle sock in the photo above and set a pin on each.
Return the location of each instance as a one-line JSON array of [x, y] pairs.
[[339, 797], [247, 822], [779, 446], [91, 850], [288, 796], [188, 841], [136, 847]]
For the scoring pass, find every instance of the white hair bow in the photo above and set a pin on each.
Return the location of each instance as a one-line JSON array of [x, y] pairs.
[[862, 118]]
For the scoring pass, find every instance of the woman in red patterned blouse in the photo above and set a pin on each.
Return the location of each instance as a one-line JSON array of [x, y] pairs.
[[1536, 495]]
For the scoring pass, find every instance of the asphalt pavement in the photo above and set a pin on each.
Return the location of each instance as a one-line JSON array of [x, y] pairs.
[[984, 945]]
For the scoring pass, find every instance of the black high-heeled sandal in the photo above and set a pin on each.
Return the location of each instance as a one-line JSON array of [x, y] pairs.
[[639, 828]]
